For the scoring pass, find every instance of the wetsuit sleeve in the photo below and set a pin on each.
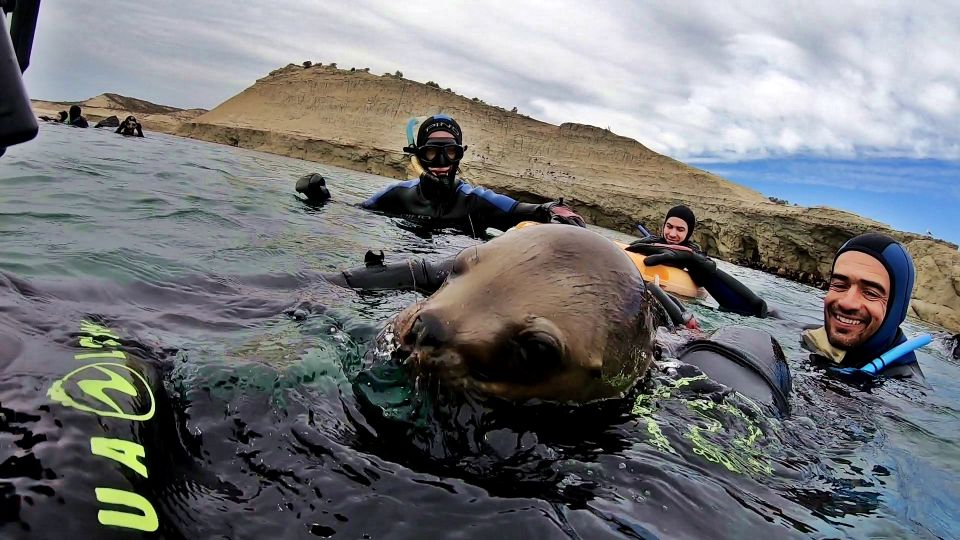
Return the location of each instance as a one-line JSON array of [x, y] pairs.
[[413, 274], [119, 128], [391, 199], [139, 130], [518, 213], [733, 295], [725, 289], [493, 209]]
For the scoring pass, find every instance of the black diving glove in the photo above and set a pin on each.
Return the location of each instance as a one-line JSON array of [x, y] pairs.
[[725, 289], [557, 212], [700, 267]]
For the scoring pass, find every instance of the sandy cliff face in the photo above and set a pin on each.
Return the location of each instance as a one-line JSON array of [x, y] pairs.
[[355, 120], [153, 117]]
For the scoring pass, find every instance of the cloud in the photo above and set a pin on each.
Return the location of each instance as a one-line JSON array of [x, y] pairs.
[[694, 79]]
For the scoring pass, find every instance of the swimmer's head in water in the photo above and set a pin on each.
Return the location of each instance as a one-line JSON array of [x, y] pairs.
[[552, 313], [74, 112], [870, 287], [439, 122], [440, 148], [678, 225]]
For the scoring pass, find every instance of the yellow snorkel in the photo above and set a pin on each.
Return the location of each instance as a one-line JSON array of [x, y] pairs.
[[415, 164]]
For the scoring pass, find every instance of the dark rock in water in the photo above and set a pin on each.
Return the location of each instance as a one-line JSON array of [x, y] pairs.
[[110, 121], [314, 187], [956, 347]]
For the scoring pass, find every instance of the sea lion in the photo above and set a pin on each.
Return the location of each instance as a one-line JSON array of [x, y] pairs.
[[550, 313]]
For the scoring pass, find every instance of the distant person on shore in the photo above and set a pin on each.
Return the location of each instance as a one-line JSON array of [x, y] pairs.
[[76, 119], [130, 127], [439, 199]]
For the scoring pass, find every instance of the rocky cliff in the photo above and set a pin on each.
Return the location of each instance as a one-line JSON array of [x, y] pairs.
[[355, 120]]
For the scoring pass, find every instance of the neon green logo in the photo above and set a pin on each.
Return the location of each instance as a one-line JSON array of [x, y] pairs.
[[86, 389], [93, 329]]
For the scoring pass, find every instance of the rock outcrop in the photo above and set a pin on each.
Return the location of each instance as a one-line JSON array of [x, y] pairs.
[[152, 117], [110, 122]]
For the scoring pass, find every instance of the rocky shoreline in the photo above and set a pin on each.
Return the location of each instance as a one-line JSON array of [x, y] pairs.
[[354, 120]]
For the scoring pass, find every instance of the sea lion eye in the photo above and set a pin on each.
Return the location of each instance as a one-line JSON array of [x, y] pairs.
[[462, 262], [538, 353]]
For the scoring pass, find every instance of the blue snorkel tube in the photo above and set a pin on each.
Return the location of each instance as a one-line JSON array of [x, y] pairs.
[[888, 358], [642, 230]]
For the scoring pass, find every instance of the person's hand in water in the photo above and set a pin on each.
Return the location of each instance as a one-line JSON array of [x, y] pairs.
[[698, 266]]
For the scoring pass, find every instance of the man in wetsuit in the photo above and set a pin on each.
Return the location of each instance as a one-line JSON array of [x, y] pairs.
[[870, 287], [76, 119], [62, 117], [438, 198], [674, 247], [130, 127], [869, 292], [677, 229]]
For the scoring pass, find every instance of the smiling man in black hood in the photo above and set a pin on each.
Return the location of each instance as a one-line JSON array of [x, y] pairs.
[[870, 287], [439, 198]]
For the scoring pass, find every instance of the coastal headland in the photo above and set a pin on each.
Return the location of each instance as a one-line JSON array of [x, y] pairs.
[[354, 119]]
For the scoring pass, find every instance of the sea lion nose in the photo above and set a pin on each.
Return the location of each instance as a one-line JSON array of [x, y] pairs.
[[427, 330]]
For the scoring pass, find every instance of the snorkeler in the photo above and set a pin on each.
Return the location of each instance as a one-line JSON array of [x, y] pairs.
[[677, 229], [130, 127], [869, 292], [76, 119], [675, 248], [438, 198], [314, 186], [62, 117]]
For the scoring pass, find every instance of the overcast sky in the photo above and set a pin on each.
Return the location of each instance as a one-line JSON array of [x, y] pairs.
[[730, 80]]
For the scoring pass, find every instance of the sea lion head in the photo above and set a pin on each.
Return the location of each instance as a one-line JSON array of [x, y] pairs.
[[551, 312]]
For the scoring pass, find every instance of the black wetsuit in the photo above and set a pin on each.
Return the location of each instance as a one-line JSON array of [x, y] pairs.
[[468, 208], [80, 122]]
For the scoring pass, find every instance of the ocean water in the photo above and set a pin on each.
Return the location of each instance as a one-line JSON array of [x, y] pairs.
[[257, 415]]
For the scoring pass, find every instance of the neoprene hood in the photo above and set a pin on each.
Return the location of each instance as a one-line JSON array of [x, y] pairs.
[[899, 265], [686, 215], [439, 122]]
